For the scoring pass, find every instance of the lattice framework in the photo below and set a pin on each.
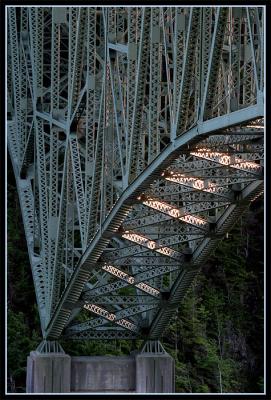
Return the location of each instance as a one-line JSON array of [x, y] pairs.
[[137, 141]]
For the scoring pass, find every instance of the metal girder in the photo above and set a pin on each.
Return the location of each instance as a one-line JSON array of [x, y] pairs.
[[214, 61], [105, 334], [126, 280], [115, 318], [136, 136], [127, 300], [137, 116], [187, 72]]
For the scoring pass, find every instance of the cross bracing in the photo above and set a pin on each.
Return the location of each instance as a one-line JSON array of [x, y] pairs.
[[137, 141]]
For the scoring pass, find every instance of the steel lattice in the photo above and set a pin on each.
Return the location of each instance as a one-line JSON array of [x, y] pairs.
[[136, 138]]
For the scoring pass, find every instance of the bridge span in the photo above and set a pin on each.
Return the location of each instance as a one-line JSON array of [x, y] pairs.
[[136, 136]]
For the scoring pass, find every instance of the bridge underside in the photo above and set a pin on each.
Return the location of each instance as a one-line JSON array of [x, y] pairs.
[[137, 141]]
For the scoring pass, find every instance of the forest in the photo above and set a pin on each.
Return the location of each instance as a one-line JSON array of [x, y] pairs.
[[216, 336]]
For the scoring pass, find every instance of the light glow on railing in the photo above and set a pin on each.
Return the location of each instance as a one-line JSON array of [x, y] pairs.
[[193, 220], [109, 316], [225, 159], [247, 165], [255, 126], [190, 181], [150, 244], [130, 279], [257, 196], [174, 212]]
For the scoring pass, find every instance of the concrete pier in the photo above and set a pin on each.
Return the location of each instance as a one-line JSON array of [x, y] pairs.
[[48, 373], [103, 374], [142, 372], [155, 373]]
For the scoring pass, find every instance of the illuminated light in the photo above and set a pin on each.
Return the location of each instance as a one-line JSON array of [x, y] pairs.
[[196, 183], [257, 196], [163, 207], [204, 153], [148, 289], [134, 237], [126, 324], [182, 179], [150, 244], [130, 279], [224, 159], [255, 126], [191, 219], [115, 271], [100, 311], [174, 212], [167, 251], [247, 165], [109, 316]]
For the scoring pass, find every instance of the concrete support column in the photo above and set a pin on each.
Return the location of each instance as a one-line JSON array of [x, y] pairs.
[[50, 370], [103, 374], [155, 373], [48, 373]]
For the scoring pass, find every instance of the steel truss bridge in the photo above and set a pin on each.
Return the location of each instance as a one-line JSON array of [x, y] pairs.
[[136, 136]]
